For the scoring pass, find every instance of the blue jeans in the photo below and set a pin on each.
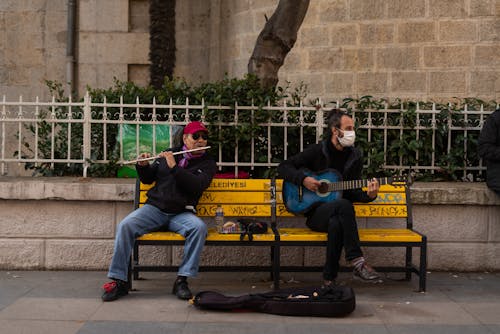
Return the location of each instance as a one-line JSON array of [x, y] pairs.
[[149, 218]]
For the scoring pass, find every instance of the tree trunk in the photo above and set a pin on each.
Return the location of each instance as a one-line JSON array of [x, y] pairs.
[[162, 40], [276, 40]]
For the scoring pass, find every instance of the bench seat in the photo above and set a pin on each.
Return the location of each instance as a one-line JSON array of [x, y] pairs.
[[213, 236], [389, 235]]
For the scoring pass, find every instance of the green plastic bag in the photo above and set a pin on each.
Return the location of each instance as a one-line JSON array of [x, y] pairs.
[[129, 142]]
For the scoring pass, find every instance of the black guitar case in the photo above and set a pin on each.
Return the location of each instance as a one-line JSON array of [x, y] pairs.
[[337, 301]]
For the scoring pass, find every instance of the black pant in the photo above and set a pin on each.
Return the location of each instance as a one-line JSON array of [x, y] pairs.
[[338, 219]]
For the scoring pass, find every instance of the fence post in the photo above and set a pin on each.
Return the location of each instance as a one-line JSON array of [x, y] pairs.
[[86, 132], [320, 123]]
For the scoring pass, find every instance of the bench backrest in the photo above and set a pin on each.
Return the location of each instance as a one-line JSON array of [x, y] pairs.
[[393, 201], [254, 198], [238, 198]]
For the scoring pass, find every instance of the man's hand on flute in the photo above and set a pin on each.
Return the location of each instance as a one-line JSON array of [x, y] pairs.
[[141, 156]]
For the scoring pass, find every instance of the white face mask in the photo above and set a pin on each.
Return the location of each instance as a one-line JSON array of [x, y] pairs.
[[348, 139]]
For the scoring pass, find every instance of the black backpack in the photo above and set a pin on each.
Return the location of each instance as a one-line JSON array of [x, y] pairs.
[[337, 301], [249, 227]]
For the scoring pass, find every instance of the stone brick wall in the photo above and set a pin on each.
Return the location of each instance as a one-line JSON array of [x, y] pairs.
[[113, 42], [418, 49], [421, 49], [411, 49], [69, 223], [430, 50], [32, 46]]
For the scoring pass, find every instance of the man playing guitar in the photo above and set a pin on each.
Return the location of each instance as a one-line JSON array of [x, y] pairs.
[[337, 217]]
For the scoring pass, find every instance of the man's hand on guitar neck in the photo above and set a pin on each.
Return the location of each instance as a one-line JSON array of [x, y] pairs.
[[373, 187], [311, 183]]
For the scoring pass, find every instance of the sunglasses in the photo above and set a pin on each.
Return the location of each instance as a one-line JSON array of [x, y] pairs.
[[197, 136]]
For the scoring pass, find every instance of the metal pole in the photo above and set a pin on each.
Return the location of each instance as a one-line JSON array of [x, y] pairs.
[[70, 47]]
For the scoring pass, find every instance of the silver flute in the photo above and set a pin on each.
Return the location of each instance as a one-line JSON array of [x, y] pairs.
[[175, 153]]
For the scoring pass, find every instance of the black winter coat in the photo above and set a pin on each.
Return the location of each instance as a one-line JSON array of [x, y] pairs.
[[489, 149], [317, 158], [177, 189]]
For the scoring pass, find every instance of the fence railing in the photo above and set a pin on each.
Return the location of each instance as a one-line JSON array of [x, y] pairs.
[[89, 133]]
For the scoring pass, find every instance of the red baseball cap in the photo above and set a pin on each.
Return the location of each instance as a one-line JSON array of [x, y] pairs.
[[194, 127]]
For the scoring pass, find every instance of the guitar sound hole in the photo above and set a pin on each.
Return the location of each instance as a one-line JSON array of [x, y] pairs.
[[323, 188]]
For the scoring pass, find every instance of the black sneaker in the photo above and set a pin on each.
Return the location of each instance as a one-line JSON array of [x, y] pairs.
[[329, 283], [181, 289], [114, 290]]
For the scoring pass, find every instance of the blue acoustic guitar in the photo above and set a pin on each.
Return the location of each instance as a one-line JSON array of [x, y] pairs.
[[300, 199]]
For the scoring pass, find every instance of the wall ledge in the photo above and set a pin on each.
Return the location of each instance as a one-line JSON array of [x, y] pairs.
[[67, 188], [116, 189], [453, 193]]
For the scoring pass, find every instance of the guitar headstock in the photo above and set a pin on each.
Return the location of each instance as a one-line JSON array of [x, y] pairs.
[[400, 180]]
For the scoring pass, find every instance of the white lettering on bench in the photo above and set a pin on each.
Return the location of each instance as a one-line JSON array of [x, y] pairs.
[[229, 184]]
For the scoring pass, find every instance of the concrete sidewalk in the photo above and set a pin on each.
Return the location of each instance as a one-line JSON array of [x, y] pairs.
[[69, 302]]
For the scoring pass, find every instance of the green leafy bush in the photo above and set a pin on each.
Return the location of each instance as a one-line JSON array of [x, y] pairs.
[[450, 150]]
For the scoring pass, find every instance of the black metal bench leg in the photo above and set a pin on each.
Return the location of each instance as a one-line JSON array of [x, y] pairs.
[[408, 264], [136, 261], [276, 267], [272, 264], [129, 274], [423, 265]]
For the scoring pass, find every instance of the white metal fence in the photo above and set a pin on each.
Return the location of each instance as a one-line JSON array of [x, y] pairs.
[[44, 135]]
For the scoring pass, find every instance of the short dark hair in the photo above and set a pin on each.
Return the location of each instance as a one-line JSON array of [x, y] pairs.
[[333, 118]]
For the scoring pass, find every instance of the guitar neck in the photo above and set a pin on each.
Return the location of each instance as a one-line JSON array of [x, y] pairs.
[[354, 184]]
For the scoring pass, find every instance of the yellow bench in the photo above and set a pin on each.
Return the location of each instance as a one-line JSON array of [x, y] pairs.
[[392, 203], [262, 198], [239, 198]]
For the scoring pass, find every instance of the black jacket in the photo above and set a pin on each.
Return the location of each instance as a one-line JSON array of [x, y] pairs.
[[317, 158], [489, 149], [177, 189]]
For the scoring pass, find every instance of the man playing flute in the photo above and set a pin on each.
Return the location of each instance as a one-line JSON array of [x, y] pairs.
[[180, 180]]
